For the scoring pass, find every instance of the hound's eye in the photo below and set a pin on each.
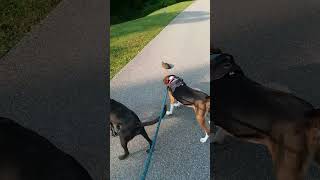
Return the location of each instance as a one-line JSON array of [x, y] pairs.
[[227, 65]]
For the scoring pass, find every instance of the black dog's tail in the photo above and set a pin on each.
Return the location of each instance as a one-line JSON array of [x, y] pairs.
[[148, 123]]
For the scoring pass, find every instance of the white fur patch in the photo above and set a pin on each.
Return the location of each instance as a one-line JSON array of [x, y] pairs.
[[177, 104], [171, 110], [204, 139]]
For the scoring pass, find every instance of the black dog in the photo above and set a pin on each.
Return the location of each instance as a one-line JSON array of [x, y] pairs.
[[25, 155], [128, 125], [287, 125]]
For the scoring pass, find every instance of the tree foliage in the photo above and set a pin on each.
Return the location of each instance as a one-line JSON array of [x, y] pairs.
[[125, 10]]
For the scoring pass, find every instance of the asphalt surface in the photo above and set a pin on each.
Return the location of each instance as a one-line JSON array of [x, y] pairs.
[[275, 42], [178, 152], [54, 82]]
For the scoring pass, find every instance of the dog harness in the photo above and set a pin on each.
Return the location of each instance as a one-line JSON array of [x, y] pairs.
[[174, 82], [217, 58]]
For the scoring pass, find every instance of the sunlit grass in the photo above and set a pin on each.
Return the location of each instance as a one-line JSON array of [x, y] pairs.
[[129, 38]]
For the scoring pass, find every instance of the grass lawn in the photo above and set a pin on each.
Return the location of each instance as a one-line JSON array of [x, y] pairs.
[[127, 39], [17, 17]]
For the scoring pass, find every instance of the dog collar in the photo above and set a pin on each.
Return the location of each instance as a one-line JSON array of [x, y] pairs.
[[174, 83]]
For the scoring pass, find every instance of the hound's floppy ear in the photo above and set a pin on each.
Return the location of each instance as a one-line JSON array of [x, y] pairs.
[[166, 80]]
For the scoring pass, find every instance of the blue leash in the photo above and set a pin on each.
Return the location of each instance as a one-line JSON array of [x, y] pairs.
[[148, 160]]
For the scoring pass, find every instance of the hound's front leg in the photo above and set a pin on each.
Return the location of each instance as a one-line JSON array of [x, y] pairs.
[[172, 104], [177, 104]]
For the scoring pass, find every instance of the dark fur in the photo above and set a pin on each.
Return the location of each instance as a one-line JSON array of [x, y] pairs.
[[25, 155], [215, 51], [128, 125], [286, 124]]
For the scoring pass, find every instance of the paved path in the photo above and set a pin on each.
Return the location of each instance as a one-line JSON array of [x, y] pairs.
[[54, 81], [179, 153], [275, 42]]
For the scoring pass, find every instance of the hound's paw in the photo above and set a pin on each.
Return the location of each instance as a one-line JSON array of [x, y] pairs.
[[203, 140], [177, 104], [122, 157], [168, 113]]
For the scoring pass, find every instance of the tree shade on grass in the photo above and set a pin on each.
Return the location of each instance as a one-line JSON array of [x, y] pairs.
[[126, 10], [17, 18], [127, 39]]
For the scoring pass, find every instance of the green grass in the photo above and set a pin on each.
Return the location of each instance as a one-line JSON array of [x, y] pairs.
[[129, 38], [17, 17]]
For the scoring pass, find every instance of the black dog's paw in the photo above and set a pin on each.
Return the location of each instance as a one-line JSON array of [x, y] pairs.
[[122, 157]]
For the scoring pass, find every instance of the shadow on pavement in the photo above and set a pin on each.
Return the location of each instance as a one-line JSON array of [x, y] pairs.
[[191, 17], [178, 152]]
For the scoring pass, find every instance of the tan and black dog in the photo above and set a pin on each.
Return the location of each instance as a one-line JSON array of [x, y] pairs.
[[191, 97], [287, 125]]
